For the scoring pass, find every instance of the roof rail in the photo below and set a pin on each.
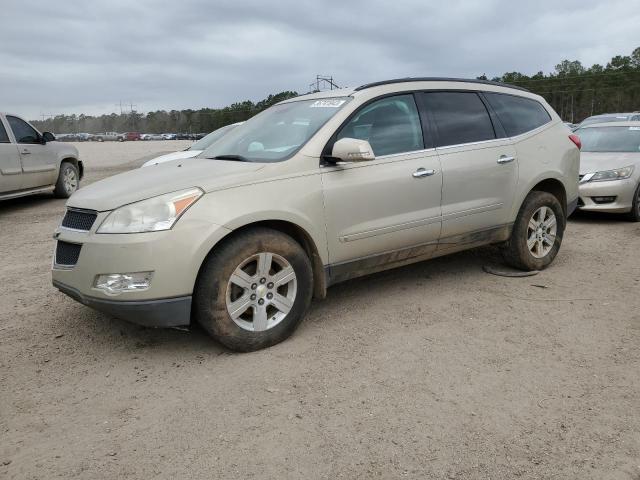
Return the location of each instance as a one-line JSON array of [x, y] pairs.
[[438, 79]]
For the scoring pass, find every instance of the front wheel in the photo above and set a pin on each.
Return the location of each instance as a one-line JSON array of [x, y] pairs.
[[634, 214], [68, 180], [537, 232], [254, 290]]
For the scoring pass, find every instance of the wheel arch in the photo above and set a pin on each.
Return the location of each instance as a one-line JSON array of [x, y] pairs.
[[556, 188], [546, 183], [75, 162], [299, 234]]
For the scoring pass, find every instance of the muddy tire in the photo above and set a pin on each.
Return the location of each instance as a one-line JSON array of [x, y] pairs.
[[253, 290], [68, 180], [537, 233], [634, 214]]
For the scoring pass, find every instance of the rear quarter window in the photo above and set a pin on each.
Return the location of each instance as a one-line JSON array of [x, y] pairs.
[[518, 115]]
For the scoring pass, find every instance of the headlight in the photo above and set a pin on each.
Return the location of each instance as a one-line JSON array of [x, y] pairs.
[[151, 215], [616, 174]]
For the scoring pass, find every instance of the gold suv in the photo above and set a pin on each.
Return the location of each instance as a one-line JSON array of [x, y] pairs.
[[316, 190]]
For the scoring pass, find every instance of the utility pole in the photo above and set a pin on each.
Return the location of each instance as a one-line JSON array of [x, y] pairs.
[[324, 80]]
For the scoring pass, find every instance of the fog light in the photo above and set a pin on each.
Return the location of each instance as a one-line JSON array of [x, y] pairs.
[[600, 200], [117, 283]]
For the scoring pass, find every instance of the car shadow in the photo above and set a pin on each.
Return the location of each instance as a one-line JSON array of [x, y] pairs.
[[583, 217]]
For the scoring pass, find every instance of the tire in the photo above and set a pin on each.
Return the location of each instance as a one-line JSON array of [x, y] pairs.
[[68, 180], [634, 214], [519, 252], [120, 139], [100, 139], [216, 295]]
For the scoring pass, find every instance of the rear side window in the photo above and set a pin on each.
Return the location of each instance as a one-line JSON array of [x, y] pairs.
[[4, 138], [23, 132], [517, 114], [460, 117], [390, 125]]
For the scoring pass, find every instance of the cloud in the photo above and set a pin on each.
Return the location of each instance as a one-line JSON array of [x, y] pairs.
[[78, 56]]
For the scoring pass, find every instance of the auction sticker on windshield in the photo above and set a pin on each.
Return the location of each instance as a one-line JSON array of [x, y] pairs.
[[327, 103]]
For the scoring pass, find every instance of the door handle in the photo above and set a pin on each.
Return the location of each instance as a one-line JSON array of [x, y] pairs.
[[25, 152], [423, 172], [505, 159]]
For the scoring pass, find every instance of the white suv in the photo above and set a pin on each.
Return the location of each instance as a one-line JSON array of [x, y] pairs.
[[31, 162], [316, 190]]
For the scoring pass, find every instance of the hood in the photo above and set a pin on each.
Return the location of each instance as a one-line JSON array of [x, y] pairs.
[[172, 156], [142, 183], [598, 161]]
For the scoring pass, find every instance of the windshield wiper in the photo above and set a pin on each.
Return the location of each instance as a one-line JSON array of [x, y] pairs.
[[237, 158]]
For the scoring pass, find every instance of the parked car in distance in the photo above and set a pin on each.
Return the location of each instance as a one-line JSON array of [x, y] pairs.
[[194, 150], [129, 136], [316, 190], [32, 162], [610, 168], [169, 136], [107, 137], [609, 117], [151, 136]]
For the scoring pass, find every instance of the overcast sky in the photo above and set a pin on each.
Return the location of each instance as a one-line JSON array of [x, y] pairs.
[[80, 56]]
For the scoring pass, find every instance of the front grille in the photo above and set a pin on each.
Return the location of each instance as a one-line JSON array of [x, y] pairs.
[[79, 219], [67, 253]]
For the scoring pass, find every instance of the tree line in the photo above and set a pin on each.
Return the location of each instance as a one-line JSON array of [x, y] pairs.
[[175, 121], [577, 92], [573, 90]]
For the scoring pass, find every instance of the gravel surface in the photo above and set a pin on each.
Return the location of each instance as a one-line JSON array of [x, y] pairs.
[[436, 370]]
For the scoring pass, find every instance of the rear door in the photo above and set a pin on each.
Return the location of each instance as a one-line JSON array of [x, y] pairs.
[[39, 162], [387, 205], [479, 166], [10, 167]]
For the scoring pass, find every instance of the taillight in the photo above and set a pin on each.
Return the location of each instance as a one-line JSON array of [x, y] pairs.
[[576, 139]]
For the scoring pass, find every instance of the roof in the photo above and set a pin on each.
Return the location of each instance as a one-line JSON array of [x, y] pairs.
[[621, 114], [438, 79], [626, 123]]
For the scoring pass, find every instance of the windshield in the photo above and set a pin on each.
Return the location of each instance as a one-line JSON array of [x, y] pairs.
[[208, 140], [610, 139], [278, 132]]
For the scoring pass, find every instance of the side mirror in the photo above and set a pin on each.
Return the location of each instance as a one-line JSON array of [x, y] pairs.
[[48, 137], [352, 150]]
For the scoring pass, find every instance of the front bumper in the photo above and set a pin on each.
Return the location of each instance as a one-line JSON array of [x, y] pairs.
[[162, 313], [174, 256], [623, 190]]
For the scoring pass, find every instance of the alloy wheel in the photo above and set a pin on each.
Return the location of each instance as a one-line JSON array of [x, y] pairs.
[[541, 232], [70, 180], [261, 292]]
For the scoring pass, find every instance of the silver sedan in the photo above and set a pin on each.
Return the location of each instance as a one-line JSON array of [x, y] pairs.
[[610, 168]]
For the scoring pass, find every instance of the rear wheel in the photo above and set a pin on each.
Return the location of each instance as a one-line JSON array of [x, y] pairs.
[[634, 214], [68, 180], [537, 232], [254, 290]]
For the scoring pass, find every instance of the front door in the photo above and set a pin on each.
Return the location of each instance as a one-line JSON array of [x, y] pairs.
[[10, 167], [388, 209], [39, 162]]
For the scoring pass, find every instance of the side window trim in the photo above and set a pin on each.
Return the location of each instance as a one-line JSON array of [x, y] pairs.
[[498, 128], [326, 151]]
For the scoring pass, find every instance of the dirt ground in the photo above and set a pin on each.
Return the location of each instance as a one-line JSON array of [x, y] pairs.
[[436, 370]]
